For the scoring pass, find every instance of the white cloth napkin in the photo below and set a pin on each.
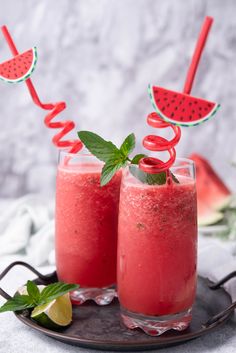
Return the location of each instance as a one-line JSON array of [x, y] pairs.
[[216, 259], [27, 233], [27, 229]]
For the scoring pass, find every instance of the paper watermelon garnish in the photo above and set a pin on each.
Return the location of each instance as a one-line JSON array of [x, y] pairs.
[[180, 108], [19, 68]]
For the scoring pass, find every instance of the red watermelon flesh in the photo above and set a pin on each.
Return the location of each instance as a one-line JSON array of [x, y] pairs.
[[180, 108], [212, 194], [20, 67]]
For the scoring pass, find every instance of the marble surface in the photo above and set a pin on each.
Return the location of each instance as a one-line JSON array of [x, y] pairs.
[[99, 56]]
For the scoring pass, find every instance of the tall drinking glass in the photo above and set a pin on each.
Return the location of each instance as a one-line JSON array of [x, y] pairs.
[[157, 251], [86, 227]]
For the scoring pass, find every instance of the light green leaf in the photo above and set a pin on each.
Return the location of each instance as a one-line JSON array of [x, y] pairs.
[[109, 170], [55, 290], [33, 291], [100, 148], [137, 158], [128, 145], [17, 303]]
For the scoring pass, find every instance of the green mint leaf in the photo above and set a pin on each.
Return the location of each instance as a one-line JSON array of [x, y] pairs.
[[100, 148], [128, 145], [137, 158], [147, 178], [33, 291], [150, 179], [17, 303], [109, 170], [55, 290]]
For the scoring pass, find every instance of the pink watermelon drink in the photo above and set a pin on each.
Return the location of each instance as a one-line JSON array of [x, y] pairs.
[[86, 227], [157, 251]]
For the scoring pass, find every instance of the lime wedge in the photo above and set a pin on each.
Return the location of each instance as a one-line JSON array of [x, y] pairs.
[[56, 314]]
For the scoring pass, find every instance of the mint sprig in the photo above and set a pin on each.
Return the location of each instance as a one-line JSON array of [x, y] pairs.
[[116, 158], [35, 297]]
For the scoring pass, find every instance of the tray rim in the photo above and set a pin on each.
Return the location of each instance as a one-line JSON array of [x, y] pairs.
[[123, 345]]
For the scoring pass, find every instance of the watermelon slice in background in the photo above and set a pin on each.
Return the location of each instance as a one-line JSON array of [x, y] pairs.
[[20, 67], [180, 108], [213, 195]]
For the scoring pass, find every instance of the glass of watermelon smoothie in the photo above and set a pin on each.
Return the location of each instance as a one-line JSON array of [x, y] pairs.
[[86, 228], [157, 251]]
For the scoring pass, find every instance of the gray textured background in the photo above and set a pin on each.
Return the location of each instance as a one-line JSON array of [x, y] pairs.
[[99, 56]]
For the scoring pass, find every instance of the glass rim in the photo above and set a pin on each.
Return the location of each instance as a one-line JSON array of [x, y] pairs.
[[65, 153], [78, 157], [186, 163]]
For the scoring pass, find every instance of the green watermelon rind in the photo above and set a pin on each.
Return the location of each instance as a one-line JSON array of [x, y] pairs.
[[28, 73], [173, 122]]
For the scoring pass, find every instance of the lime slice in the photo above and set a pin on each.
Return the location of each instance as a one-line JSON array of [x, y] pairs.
[[56, 314]]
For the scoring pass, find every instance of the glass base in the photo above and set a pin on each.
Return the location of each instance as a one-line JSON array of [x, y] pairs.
[[157, 325], [101, 296]]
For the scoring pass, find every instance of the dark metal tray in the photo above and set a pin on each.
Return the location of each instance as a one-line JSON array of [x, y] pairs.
[[100, 327]]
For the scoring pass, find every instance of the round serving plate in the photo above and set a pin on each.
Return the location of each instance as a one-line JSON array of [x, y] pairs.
[[100, 327]]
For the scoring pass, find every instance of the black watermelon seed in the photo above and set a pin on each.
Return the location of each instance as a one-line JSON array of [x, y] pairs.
[[168, 105], [173, 101], [181, 118], [176, 108], [165, 99], [180, 102], [183, 110], [199, 115], [193, 111], [163, 109], [172, 114], [195, 102], [209, 105], [200, 108], [158, 100], [190, 117], [175, 95], [190, 103]]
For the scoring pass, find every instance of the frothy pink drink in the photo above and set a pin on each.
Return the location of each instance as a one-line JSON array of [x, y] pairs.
[[86, 224], [157, 247]]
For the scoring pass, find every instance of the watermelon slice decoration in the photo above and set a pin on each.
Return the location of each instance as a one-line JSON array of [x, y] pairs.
[[181, 109], [213, 196], [20, 67]]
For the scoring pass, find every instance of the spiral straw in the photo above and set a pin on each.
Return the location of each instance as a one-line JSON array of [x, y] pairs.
[[55, 108], [157, 143]]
